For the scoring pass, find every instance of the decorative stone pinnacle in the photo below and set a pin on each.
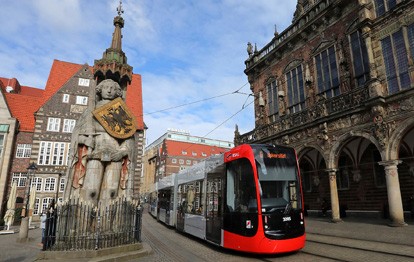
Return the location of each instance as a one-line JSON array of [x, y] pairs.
[[119, 8]]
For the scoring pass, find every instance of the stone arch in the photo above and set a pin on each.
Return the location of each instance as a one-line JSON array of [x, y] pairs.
[[303, 149], [315, 181], [332, 160], [396, 137]]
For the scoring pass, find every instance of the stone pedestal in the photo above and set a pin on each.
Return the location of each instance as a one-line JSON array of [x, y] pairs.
[[24, 230]]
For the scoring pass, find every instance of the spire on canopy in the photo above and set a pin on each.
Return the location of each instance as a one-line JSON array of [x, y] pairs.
[[113, 64]]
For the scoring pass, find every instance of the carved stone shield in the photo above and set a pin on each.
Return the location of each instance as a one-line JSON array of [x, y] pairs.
[[116, 118]]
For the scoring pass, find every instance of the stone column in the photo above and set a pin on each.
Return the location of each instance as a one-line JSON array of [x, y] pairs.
[[24, 230], [334, 196], [394, 193]]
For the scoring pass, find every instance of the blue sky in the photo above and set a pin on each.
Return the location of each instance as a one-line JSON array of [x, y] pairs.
[[185, 51]]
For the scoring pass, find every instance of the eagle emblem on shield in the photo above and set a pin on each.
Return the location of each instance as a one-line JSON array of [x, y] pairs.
[[116, 118]]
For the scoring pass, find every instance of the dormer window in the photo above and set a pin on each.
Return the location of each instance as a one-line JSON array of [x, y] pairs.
[[83, 82]]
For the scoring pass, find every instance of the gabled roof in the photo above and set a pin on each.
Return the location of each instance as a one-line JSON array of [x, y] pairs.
[[19, 89], [62, 71], [58, 76], [24, 104], [23, 108]]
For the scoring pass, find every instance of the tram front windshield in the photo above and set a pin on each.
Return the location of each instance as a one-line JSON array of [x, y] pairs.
[[278, 178]]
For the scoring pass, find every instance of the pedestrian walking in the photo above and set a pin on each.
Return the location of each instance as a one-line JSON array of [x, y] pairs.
[[43, 225]]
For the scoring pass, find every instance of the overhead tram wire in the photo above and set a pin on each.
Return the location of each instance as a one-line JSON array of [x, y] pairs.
[[243, 107], [222, 123], [198, 101]]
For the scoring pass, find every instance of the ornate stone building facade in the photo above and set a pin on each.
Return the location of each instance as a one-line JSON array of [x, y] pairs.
[[337, 85]]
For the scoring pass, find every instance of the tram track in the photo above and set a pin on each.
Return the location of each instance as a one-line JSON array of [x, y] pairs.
[[352, 249], [160, 248], [170, 246]]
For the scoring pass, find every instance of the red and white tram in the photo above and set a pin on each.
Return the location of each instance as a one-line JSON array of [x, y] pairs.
[[248, 199]]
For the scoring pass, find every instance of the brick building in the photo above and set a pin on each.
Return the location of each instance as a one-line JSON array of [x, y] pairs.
[[175, 151], [337, 85]]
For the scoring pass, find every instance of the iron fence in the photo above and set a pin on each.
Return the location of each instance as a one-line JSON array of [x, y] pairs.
[[79, 226]]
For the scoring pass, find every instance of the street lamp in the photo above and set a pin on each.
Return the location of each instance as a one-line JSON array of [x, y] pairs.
[[31, 170], [61, 170], [24, 225]]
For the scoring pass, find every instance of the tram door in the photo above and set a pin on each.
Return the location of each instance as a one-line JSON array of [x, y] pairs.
[[214, 206]]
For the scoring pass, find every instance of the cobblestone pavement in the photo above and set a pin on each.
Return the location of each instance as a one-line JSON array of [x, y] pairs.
[[355, 238]]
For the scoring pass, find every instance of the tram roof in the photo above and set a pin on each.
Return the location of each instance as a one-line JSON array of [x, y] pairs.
[[200, 170]]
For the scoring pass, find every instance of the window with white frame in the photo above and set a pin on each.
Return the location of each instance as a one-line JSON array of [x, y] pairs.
[[37, 182], [50, 184], [45, 203], [188, 162], [67, 154], [53, 124], [58, 153], [184, 152], [62, 185], [20, 178], [83, 82], [36, 206], [68, 125], [181, 161], [65, 98], [45, 153], [23, 150], [81, 100], [174, 161], [53, 153]]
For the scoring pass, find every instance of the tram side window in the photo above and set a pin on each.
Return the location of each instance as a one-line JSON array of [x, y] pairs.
[[241, 191], [191, 197]]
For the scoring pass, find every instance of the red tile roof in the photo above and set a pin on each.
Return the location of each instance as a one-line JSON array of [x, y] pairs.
[[22, 104], [23, 108], [62, 71], [29, 100], [59, 74]]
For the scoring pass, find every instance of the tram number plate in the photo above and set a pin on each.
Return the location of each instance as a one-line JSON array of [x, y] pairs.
[[286, 219]]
